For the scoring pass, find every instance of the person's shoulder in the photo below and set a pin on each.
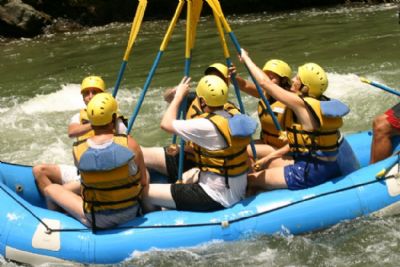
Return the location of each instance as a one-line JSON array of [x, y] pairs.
[[132, 143]]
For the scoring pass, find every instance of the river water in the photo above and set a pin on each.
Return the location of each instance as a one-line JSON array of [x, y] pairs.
[[39, 92]]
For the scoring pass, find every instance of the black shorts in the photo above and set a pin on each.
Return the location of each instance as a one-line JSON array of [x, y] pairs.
[[192, 197], [172, 164]]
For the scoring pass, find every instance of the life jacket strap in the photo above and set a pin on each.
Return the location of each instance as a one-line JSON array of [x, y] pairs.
[[204, 153], [111, 188]]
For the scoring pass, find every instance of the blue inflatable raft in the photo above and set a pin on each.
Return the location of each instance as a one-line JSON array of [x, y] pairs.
[[29, 233]]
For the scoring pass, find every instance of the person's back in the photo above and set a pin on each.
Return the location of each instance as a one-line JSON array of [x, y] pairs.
[[165, 160], [219, 152], [112, 171], [80, 128]]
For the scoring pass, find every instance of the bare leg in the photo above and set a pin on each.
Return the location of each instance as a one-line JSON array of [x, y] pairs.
[[381, 147], [279, 162], [46, 174], [74, 187], [154, 158], [157, 195], [268, 179], [69, 201]]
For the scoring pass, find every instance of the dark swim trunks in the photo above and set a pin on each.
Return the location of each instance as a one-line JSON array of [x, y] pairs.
[[192, 197], [172, 162], [305, 173]]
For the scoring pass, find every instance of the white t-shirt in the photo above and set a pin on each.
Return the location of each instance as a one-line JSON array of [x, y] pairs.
[[120, 127], [204, 133]]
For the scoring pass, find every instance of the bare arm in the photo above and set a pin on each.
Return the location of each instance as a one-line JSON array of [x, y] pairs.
[[265, 161], [172, 111], [244, 85], [290, 99], [76, 129]]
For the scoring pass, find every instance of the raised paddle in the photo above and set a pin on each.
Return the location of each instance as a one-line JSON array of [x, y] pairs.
[[233, 78], [163, 46], [137, 21], [380, 86], [216, 7], [188, 58]]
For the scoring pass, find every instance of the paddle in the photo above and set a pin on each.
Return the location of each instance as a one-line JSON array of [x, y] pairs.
[[188, 59], [380, 86], [233, 78], [137, 21], [155, 64], [195, 17], [216, 7]]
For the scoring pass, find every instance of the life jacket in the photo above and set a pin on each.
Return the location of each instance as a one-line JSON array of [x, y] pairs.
[[230, 161], [269, 134], [106, 183], [83, 119], [195, 111], [325, 140]]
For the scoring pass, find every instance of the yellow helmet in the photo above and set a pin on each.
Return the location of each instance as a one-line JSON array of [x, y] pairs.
[[221, 68], [279, 67], [93, 81], [314, 77], [213, 90], [101, 109]]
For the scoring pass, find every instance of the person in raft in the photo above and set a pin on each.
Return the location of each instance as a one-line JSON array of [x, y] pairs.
[[279, 72], [112, 172], [384, 127], [165, 160], [79, 128], [219, 139], [313, 123]]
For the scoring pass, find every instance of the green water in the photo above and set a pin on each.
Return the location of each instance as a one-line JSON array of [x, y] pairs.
[[39, 92]]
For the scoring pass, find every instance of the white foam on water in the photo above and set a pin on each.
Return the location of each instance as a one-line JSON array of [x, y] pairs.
[[58, 152], [308, 13], [66, 99], [348, 86], [365, 101]]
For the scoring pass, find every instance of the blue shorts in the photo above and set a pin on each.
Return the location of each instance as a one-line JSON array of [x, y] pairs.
[[306, 172]]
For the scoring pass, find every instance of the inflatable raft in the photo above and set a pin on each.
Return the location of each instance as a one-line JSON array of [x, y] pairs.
[[29, 233]]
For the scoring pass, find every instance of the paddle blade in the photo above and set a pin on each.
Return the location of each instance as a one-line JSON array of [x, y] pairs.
[[197, 7], [221, 36], [216, 7], [171, 26], [137, 22]]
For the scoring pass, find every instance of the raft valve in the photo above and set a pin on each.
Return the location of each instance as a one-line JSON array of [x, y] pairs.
[[19, 188]]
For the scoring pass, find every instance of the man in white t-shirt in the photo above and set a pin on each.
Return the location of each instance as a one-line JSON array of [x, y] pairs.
[[80, 128], [165, 160], [219, 139]]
